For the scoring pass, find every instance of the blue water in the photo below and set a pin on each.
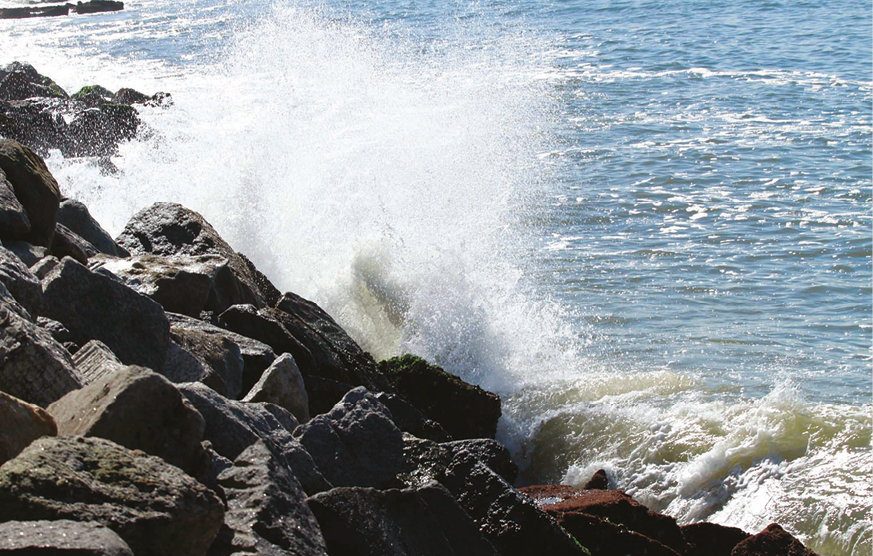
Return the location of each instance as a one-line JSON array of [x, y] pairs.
[[647, 225]]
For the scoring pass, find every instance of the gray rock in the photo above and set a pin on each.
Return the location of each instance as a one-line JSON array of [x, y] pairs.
[[42, 265], [35, 189], [267, 512], [181, 284], [13, 217], [183, 366], [67, 243], [409, 419], [28, 253], [155, 507], [61, 537], [171, 229], [132, 325], [285, 417], [219, 354], [138, 409], [95, 361], [490, 452], [364, 521], [22, 424], [75, 216], [282, 384], [97, 131], [20, 282], [33, 366], [356, 443]]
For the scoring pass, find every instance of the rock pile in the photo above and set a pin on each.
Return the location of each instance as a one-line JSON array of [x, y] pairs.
[[161, 397]]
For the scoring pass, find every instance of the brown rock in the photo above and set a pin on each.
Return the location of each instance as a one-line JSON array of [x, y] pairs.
[[772, 541], [22, 424], [34, 187]]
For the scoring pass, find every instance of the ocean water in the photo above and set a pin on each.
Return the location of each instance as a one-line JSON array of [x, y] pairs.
[[646, 224]]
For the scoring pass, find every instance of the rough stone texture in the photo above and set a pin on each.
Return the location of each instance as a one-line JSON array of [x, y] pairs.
[[28, 253], [364, 521], [20, 282], [75, 216], [62, 536], [282, 384], [335, 355], [710, 539], [772, 541], [612, 505], [22, 424], [219, 354], [95, 361], [35, 189], [604, 538], [138, 409], [33, 366], [356, 443], [425, 460], [61, 334], [323, 393], [132, 325], [490, 452], [155, 507], [67, 243], [256, 355], [171, 229], [287, 419], [598, 481], [464, 410], [269, 292], [181, 284], [267, 512], [258, 324], [20, 80], [36, 122], [511, 521], [97, 131], [408, 419], [13, 217]]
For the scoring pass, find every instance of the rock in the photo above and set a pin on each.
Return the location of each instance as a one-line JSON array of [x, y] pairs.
[[35, 189], [35, 11], [356, 443], [603, 538], [464, 410], [33, 366], [61, 334], [98, 6], [13, 217], [614, 506], [182, 366], [364, 521], [598, 481], [27, 253], [425, 460], [490, 452], [21, 80], [22, 424], [247, 320], [76, 217], [20, 282], [93, 96], [269, 292], [335, 355], [36, 122], [282, 384], [97, 131], [67, 243], [710, 539], [266, 509], [324, 393], [772, 541], [95, 361], [133, 326], [511, 521], [256, 355], [130, 96], [220, 354], [153, 506], [408, 419], [138, 409], [181, 284], [171, 229], [60, 537], [287, 419]]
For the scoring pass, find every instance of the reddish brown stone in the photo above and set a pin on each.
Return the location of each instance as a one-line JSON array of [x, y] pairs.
[[772, 541], [598, 481]]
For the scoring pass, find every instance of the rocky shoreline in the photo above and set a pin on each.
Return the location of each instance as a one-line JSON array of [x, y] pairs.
[[160, 396]]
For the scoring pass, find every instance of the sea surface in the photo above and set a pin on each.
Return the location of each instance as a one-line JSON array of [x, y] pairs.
[[646, 224]]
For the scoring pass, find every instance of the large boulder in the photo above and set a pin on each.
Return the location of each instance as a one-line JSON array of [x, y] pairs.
[[67, 243], [772, 541], [33, 366], [138, 409], [22, 424], [425, 460], [171, 229], [34, 187], [464, 410], [411, 420], [37, 122], [95, 361], [220, 356], [602, 537], [155, 507], [97, 131], [711, 539], [76, 217], [363, 521], [282, 384], [20, 282], [356, 443], [266, 509], [13, 218], [61, 537], [133, 326], [20, 80]]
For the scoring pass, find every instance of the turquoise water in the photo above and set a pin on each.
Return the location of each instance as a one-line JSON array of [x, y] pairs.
[[646, 225]]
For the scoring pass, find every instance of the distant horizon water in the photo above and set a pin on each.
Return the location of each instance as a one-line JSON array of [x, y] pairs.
[[646, 225]]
